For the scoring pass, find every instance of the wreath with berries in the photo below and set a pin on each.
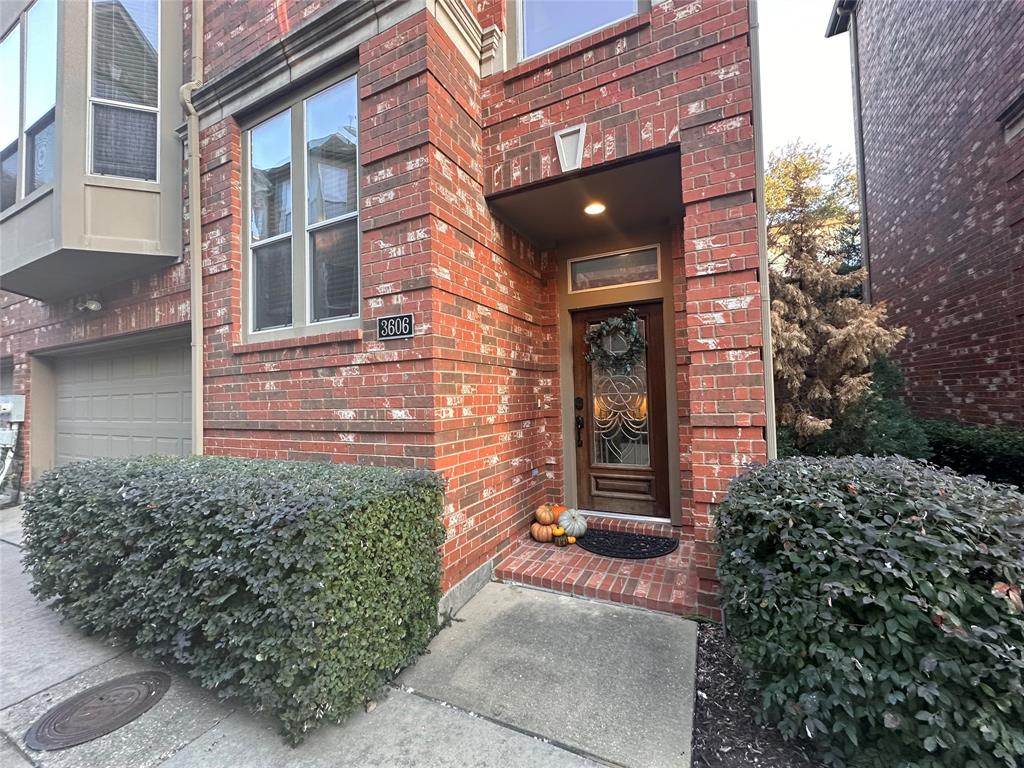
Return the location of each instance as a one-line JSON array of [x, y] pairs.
[[626, 325]]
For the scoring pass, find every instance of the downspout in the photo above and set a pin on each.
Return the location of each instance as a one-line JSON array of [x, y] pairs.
[[862, 180], [195, 229], [762, 235]]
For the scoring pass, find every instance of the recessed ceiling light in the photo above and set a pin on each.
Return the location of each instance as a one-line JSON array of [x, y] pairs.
[[594, 208]]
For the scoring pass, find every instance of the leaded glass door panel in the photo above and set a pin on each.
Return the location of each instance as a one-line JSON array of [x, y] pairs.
[[619, 420]]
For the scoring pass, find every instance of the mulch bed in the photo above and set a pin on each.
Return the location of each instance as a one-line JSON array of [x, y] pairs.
[[725, 732]]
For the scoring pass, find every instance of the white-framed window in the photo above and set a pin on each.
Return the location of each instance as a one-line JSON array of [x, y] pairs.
[[28, 91], [302, 176], [124, 88], [547, 24], [615, 270]]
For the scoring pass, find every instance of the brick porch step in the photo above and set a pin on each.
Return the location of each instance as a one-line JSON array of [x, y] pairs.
[[668, 584]]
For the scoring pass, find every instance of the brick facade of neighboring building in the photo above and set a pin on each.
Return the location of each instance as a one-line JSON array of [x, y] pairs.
[[945, 198], [476, 394]]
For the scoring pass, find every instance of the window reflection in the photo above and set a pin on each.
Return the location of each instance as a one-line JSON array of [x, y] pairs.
[[331, 146], [548, 23], [270, 179]]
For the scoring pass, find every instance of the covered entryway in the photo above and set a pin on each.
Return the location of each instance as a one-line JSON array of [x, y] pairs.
[[123, 400]]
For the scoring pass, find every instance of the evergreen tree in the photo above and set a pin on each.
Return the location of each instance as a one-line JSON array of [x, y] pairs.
[[825, 339]]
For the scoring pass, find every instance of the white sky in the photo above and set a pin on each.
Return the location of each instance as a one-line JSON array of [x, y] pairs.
[[805, 78]]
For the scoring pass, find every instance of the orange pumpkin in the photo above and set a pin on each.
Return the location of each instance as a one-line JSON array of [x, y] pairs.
[[558, 509], [541, 532], [545, 514]]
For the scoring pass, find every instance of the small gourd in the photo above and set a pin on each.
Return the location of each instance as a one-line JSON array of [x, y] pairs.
[[545, 515], [572, 522], [571, 539], [541, 533], [561, 541], [558, 531]]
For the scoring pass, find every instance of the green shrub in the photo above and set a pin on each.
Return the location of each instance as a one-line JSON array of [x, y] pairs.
[[877, 602], [878, 425], [995, 452], [300, 587]]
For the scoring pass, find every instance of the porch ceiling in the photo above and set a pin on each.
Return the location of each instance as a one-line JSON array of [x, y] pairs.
[[636, 193]]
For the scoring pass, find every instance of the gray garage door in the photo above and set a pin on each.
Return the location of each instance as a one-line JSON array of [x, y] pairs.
[[128, 402]]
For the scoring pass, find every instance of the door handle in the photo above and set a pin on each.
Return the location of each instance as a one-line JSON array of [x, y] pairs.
[[579, 431]]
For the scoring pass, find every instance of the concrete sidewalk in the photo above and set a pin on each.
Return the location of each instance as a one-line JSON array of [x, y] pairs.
[[522, 678]]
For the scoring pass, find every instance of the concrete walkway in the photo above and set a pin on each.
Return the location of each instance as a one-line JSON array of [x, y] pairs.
[[522, 678]]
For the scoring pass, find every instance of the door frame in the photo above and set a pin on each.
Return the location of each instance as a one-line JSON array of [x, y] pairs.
[[662, 290], [656, 396]]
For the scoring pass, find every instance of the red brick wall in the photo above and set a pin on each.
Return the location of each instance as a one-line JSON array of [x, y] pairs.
[[676, 76], [475, 394], [945, 199]]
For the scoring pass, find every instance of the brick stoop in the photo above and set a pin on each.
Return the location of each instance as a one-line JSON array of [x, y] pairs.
[[669, 584]]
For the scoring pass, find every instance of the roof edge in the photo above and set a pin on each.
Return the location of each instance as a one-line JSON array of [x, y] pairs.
[[839, 21]]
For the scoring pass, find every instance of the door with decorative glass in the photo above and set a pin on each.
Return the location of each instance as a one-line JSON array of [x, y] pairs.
[[619, 418]]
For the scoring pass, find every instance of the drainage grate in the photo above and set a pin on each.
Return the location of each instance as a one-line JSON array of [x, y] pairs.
[[97, 711]]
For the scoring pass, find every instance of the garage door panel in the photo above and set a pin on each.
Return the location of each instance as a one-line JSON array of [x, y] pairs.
[[124, 403]]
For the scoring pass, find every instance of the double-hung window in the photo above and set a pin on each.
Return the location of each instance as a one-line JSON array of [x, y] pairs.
[[28, 92], [124, 88], [303, 210]]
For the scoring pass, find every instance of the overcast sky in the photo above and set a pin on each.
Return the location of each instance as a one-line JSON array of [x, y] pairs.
[[805, 79]]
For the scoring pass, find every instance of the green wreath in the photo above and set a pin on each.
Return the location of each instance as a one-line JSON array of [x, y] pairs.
[[621, 363]]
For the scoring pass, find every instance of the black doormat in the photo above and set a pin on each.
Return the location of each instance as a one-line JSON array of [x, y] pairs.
[[629, 546]]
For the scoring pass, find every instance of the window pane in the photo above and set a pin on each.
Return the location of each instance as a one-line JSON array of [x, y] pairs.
[[124, 142], [331, 145], [270, 178], [8, 176], [40, 60], [272, 285], [547, 23], [10, 76], [334, 270], [39, 148], [124, 50], [617, 269]]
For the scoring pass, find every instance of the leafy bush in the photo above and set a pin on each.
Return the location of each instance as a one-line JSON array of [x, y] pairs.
[[877, 601], [995, 452], [879, 424], [301, 587]]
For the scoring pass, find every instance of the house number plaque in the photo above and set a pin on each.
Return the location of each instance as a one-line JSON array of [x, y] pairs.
[[395, 327]]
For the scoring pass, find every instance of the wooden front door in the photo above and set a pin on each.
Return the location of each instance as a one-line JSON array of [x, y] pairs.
[[620, 422]]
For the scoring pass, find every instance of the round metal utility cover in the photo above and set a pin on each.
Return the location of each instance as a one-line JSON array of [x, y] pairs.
[[97, 711]]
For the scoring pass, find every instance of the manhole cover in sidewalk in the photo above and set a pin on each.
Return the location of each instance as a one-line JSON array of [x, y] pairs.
[[97, 711]]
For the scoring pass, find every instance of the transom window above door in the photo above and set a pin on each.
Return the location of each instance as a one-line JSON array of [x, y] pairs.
[[547, 24], [303, 212]]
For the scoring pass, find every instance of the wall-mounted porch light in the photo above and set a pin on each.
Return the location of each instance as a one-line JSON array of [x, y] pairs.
[[595, 208]]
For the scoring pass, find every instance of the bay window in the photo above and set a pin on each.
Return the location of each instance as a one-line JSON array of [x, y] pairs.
[[28, 92], [124, 88], [303, 210]]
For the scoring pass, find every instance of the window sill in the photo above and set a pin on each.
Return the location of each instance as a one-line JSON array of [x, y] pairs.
[[29, 200], [309, 340]]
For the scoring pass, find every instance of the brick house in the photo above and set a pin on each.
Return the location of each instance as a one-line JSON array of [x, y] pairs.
[[411, 211], [939, 109]]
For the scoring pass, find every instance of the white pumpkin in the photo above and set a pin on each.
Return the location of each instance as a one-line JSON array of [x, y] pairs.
[[573, 522]]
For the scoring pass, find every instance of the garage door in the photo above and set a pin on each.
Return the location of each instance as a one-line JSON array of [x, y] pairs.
[[128, 402]]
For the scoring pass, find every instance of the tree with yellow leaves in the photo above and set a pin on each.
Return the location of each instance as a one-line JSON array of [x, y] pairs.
[[824, 338]]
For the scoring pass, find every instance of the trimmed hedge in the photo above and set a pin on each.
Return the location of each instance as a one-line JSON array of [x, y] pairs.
[[995, 452], [300, 587], [877, 602]]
